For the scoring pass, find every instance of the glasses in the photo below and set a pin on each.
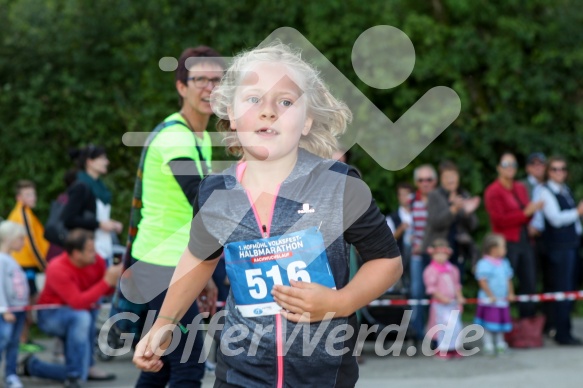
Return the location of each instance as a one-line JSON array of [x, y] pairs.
[[202, 81], [508, 164], [425, 180], [557, 169]]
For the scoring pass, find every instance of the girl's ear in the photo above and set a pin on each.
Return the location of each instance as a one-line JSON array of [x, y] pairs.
[[231, 115], [308, 125], [430, 250]]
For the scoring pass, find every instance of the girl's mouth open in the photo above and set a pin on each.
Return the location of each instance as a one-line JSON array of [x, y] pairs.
[[266, 131]]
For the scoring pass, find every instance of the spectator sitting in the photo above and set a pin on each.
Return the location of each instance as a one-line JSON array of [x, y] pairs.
[[77, 280]]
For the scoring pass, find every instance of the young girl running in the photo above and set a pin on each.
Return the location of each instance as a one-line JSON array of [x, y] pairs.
[[494, 275], [283, 216], [14, 292]]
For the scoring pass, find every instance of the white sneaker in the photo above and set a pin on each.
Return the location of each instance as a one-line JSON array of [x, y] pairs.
[[488, 350], [502, 348], [12, 381]]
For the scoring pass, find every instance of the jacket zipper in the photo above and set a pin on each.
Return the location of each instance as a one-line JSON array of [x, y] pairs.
[[265, 231]]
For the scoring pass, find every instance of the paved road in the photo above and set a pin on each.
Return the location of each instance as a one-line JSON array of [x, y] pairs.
[[550, 366]]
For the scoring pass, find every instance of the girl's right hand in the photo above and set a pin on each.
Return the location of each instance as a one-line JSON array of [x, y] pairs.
[[150, 348], [9, 317]]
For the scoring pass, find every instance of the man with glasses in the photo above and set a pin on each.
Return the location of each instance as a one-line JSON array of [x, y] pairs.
[[177, 156], [425, 178], [561, 236]]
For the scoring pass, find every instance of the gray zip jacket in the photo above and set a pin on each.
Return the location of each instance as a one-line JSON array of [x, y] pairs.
[[268, 351], [14, 290]]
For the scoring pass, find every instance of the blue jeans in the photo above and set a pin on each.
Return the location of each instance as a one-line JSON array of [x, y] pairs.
[[10, 339], [417, 265], [77, 330]]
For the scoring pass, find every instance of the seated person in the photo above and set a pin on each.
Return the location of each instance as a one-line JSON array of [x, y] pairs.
[[77, 279]]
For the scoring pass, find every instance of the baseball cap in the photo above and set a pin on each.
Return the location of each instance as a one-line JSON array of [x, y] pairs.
[[536, 156]]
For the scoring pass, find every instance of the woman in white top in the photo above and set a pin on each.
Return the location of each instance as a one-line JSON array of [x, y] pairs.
[[561, 238]]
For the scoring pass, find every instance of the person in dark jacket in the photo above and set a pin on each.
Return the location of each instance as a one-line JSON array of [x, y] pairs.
[[451, 216], [89, 200], [561, 237]]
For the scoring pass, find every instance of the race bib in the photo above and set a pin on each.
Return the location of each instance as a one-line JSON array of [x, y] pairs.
[[255, 266]]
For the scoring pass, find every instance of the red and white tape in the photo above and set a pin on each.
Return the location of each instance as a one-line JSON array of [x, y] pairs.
[[56, 306], [546, 297]]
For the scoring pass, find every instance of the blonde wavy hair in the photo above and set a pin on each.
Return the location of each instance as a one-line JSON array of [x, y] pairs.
[[330, 116], [9, 231]]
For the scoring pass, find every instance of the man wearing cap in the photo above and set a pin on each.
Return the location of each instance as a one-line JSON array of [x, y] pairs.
[[535, 168]]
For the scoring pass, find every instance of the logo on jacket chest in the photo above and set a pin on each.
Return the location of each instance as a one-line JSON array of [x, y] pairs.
[[306, 209]]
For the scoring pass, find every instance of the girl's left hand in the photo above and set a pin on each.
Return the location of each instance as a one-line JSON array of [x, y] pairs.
[[511, 297], [461, 300], [307, 302]]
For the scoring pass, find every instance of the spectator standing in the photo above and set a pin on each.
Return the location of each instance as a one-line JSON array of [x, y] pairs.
[[494, 275], [401, 221], [535, 170], [32, 257], [451, 216], [14, 293], [561, 237], [68, 178], [510, 212], [89, 200], [442, 282], [425, 181], [535, 179]]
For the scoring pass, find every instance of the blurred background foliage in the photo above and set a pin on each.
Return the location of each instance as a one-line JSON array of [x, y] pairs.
[[74, 72]]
